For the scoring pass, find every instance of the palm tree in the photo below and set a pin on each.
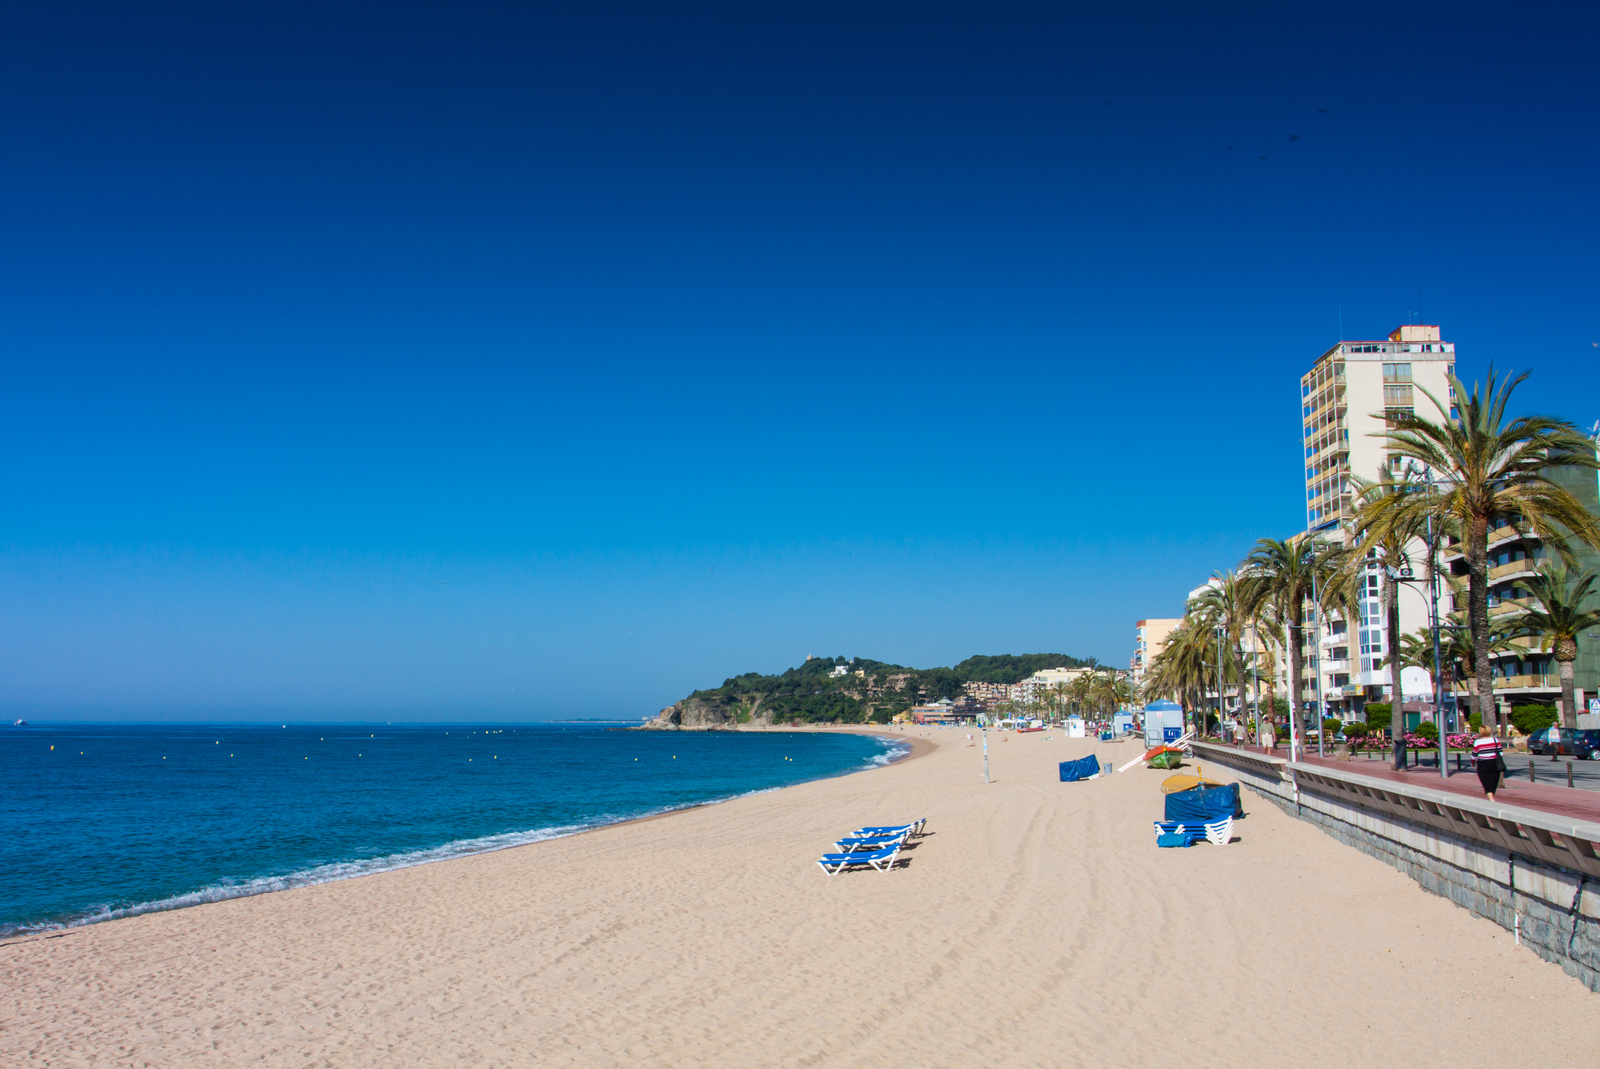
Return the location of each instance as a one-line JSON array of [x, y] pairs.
[[1107, 691], [1456, 649], [1179, 670], [1487, 466], [1222, 604], [1060, 697], [1384, 528], [1558, 622], [1282, 575]]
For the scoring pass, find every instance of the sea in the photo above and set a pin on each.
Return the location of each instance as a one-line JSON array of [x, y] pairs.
[[99, 821]]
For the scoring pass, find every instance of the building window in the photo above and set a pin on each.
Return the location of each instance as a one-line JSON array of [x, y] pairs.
[[1397, 395], [1397, 373]]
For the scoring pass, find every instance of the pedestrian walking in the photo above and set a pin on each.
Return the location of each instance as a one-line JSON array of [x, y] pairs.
[[1489, 759]]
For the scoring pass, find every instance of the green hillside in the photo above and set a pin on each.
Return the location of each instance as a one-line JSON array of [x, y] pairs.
[[808, 693]]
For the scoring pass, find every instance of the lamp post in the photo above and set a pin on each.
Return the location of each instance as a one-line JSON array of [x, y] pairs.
[[986, 750], [1425, 477], [1255, 678], [1316, 655], [1221, 631]]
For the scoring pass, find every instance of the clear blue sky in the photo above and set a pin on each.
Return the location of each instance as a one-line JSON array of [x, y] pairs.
[[533, 360]]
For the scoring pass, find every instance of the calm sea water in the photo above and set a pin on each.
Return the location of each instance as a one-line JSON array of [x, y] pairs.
[[101, 821]]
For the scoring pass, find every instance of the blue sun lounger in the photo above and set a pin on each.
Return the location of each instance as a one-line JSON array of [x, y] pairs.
[[851, 843], [882, 860], [1218, 831], [913, 828]]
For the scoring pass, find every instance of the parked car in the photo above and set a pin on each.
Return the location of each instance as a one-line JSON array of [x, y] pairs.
[[1583, 743]]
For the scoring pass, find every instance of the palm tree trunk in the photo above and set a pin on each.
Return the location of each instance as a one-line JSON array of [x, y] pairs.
[[1296, 709], [1569, 710], [1478, 613], [1397, 711], [1238, 670]]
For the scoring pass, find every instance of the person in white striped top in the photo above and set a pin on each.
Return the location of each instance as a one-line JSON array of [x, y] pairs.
[[1487, 759]]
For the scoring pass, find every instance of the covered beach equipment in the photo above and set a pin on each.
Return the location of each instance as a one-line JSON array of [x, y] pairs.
[[1204, 812], [1081, 769], [1199, 805], [1185, 782]]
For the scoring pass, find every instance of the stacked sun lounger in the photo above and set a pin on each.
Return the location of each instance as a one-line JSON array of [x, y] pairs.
[[875, 846], [1180, 833]]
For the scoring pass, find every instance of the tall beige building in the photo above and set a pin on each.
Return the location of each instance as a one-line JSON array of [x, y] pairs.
[[1344, 399], [1347, 399]]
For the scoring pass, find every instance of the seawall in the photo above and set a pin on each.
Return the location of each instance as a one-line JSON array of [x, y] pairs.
[[1531, 872]]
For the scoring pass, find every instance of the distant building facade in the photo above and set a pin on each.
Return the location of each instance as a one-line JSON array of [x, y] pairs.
[[1149, 639]]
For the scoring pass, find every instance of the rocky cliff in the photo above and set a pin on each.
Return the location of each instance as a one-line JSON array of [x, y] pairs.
[[710, 713]]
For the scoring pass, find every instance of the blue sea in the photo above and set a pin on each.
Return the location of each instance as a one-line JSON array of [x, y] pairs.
[[100, 821]]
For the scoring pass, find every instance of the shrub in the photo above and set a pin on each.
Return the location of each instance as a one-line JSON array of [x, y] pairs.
[[1531, 718], [1379, 712], [1427, 730], [1331, 725], [1356, 730], [1475, 721]]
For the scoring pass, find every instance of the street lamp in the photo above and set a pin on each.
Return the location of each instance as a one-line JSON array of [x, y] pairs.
[[1316, 653], [1221, 631], [1255, 678], [1405, 575]]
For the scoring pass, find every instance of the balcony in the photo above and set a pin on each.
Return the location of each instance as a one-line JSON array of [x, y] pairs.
[[1527, 566], [1538, 681], [1497, 537]]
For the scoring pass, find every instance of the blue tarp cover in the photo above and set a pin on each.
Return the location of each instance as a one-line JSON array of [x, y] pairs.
[[1204, 804], [1083, 768]]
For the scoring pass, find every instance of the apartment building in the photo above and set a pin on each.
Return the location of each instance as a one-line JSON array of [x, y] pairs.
[[1348, 400], [1524, 674], [1149, 639], [1345, 400], [990, 694]]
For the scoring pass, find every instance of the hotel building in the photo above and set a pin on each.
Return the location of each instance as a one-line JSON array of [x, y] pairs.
[[1347, 401]]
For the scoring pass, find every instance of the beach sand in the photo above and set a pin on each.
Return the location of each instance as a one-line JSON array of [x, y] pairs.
[[1035, 925]]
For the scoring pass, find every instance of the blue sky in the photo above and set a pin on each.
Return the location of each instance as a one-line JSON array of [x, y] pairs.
[[436, 361]]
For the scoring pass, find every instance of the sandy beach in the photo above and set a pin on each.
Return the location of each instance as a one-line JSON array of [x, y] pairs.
[[1036, 924]]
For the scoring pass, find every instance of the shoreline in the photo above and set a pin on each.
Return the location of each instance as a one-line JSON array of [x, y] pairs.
[[1033, 917], [918, 747]]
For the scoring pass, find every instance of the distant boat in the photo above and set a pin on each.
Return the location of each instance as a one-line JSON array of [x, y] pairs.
[[19, 723]]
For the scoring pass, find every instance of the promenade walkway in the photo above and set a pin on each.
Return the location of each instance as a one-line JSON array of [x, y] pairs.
[[1571, 802]]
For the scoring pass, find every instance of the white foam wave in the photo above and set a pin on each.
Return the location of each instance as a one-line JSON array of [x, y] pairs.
[[894, 750]]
